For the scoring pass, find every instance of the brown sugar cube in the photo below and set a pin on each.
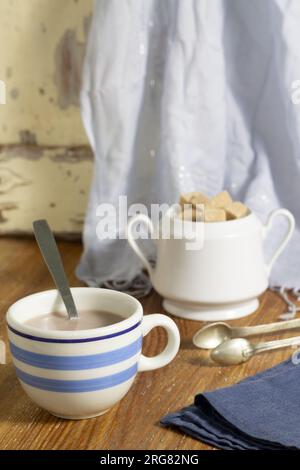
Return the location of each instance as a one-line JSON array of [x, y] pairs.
[[193, 198], [236, 210], [192, 214], [221, 200], [214, 214], [187, 214]]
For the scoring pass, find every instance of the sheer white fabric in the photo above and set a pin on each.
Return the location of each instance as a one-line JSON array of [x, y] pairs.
[[182, 95]]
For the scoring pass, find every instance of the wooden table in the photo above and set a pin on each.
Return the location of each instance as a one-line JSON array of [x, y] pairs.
[[133, 423]]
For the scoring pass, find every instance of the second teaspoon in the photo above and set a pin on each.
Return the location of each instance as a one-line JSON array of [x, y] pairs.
[[212, 335], [238, 350]]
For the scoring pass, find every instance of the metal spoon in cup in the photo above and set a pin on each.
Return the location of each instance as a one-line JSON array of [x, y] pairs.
[[47, 244], [210, 336], [238, 350]]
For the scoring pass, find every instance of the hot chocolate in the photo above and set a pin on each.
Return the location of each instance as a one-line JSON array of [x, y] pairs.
[[88, 319]]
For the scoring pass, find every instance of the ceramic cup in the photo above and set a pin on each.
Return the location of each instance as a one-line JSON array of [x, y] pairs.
[[220, 280], [81, 374]]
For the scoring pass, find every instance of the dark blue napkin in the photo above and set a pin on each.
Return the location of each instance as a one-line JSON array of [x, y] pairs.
[[259, 413]]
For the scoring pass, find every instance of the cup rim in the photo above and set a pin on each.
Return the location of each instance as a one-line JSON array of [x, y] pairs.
[[115, 329]]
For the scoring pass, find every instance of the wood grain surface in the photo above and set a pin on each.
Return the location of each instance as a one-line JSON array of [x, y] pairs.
[[134, 422]]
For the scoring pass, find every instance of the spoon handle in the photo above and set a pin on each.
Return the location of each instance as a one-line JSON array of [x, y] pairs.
[[270, 345], [49, 250], [243, 332]]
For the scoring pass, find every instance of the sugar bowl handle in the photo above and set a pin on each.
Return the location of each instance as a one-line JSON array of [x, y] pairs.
[[132, 239], [266, 228]]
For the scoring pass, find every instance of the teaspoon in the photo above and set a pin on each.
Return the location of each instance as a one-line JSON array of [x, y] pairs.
[[49, 250], [238, 350], [212, 335]]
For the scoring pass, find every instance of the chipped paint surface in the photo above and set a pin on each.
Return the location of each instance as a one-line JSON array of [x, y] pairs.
[[10, 179], [40, 65], [54, 185], [44, 150], [69, 57], [27, 137]]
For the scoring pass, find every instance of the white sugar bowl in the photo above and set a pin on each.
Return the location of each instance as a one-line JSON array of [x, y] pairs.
[[222, 277]]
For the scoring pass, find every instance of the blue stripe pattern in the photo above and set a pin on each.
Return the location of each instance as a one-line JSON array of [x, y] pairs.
[[76, 362], [79, 340], [77, 386]]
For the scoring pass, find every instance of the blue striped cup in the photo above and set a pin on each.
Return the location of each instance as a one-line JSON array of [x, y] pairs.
[[81, 374]]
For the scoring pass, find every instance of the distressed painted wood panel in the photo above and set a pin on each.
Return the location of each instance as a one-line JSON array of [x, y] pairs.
[[45, 160], [38, 182]]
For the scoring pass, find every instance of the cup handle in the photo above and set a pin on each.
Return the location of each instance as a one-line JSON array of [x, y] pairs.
[[266, 228], [167, 355], [132, 242]]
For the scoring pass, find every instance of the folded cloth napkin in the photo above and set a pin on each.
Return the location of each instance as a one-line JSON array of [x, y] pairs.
[[259, 413]]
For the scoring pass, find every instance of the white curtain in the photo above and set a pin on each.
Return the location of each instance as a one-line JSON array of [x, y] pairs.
[[182, 95]]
